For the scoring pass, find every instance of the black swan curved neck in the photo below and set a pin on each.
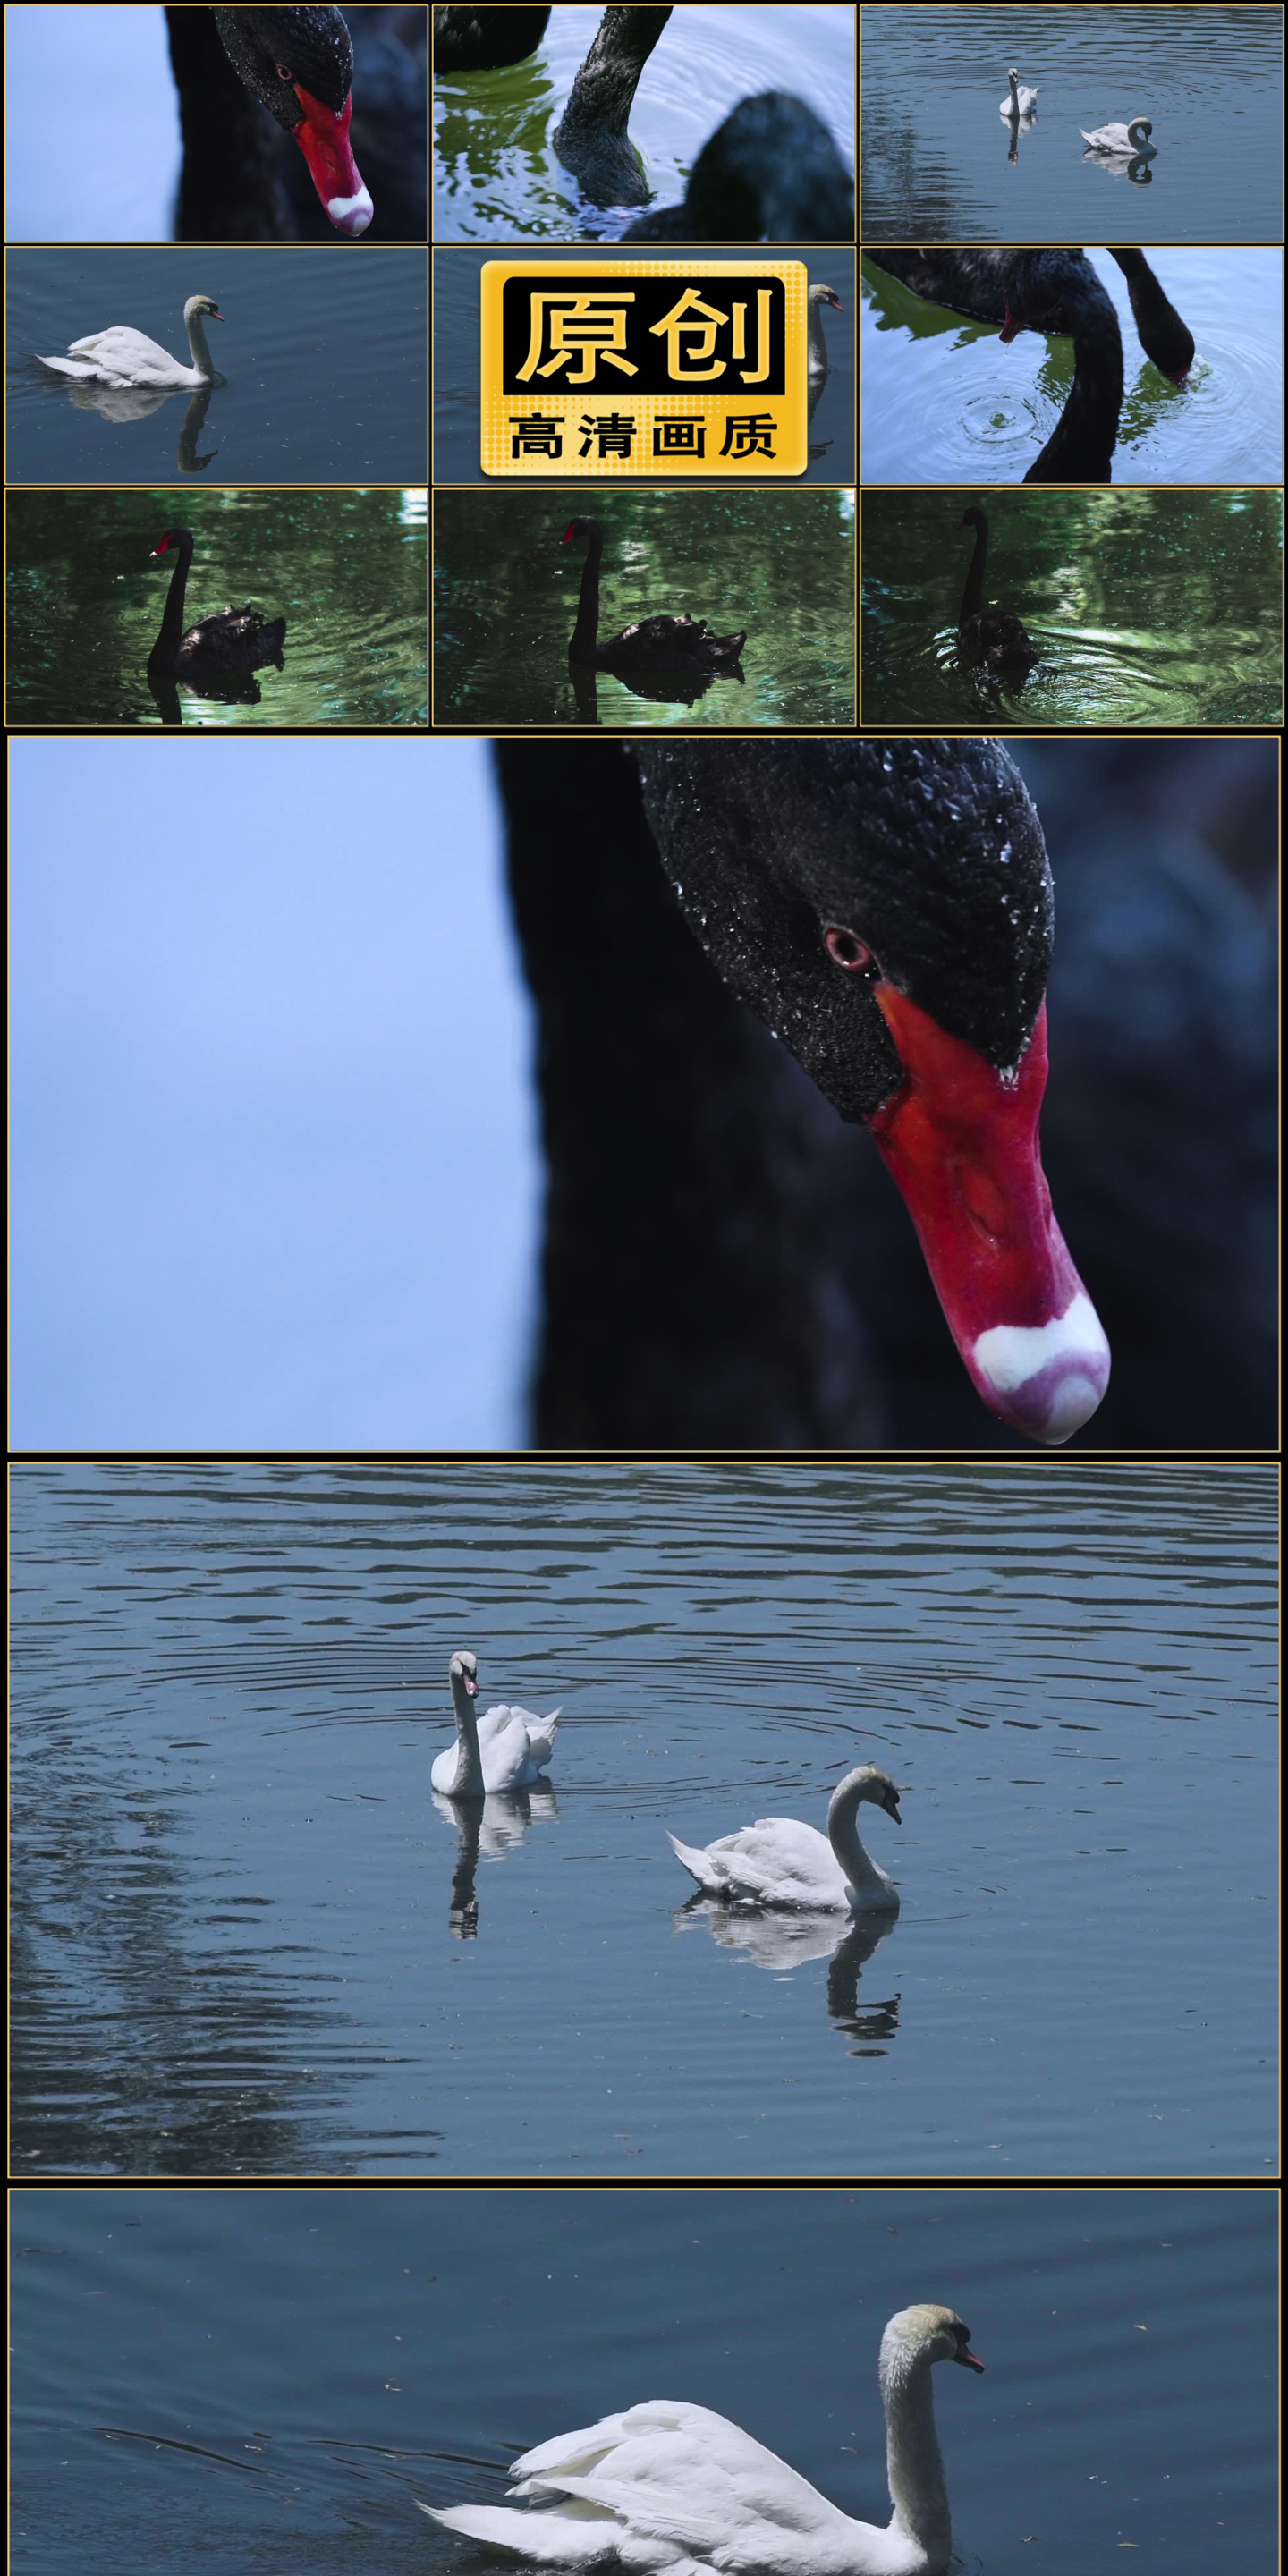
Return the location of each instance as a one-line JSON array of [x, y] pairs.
[[1081, 446], [583, 647], [771, 172], [164, 658], [1162, 334], [591, 138]]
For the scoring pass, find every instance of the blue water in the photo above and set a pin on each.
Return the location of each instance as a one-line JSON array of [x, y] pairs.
[[260, 2382], [940, 163], [251, 1941]]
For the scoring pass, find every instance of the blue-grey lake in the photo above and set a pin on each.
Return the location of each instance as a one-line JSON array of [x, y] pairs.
[[270, 2381], [941, 164], [251, 1941]]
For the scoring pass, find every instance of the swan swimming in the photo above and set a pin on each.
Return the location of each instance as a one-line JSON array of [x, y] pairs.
[[506, 1748], [123, 357], [1133, 138], [671, 2486], [777, 1861], [1018, 102]]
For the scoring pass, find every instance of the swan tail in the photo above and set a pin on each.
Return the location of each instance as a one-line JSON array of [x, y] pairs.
[[561, 2539], [542, 1733], [699, 1865]]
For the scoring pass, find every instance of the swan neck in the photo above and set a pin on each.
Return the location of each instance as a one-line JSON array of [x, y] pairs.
[[201, 357], [468, 1782], [582, 647], [973, 594], [165, 649], [600, 100], [816, 341], [843, 1834], [1085, 436], [913, 2460]]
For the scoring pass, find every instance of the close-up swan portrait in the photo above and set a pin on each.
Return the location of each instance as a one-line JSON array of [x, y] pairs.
[[124, 357], [777, 1861], [506, 1748], [675, 2487]]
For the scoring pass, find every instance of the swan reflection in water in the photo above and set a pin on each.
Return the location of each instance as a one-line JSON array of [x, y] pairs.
[[487, 1829], [783, 1942]]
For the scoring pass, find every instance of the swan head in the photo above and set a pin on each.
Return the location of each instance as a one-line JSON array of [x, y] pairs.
[[463, 1668], [924, 2334], [202, 304], [174, 538], [1139, 125], [581, 528], [1013, 77], [869, 1782], [826, 295]]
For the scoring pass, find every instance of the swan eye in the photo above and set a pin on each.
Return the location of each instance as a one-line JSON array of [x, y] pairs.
[[846, 949], [283, 73]]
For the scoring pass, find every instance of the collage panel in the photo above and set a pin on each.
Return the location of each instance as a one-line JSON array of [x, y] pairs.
[[780, 2354], [217, 500]]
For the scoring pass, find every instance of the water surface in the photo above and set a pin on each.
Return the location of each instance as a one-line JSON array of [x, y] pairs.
[[250, 1940], [326, 366], [941, 164], [943, 402], [1147, 608], [345, 568], [497, 176]]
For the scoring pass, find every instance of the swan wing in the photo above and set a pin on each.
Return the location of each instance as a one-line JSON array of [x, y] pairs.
[[683, 2481], [81, 367], [504, 1749], [776, 1861], [122, 348]]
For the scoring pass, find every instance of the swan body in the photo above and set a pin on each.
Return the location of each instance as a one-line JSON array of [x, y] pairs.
[[675, 2487], [780, 1862], [652, 643], [817, 345], [771, 172], [1018, 102], [1133, 138], [506, 1748], [123, 357]]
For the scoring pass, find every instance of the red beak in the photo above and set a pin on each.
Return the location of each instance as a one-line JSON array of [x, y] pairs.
[[962, 1143], [323, 138]]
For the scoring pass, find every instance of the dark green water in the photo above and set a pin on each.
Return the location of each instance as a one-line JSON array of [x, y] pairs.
[[346, 570], [1148, 607], [780, 564]]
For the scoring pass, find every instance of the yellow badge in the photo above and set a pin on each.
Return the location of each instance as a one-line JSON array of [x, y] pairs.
[[627, 370]]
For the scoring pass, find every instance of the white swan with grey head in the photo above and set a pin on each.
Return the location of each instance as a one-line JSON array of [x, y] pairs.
[[124, 357], [506, 1748], [777, 1861]]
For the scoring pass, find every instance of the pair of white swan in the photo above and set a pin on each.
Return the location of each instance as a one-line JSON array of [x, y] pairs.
[[677, 2488], [123, 357], [506, 1748]]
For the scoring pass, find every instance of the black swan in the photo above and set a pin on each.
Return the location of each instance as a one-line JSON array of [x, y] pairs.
[[231, 640], [486, 40], [817, 345], [1058, 291], [886, 909], [992, 637], [771, 172], [253, 83], [591, 138], [652, 643]]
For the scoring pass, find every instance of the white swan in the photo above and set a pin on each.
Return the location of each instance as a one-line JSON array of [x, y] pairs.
[[1133, 138], [675, 2487], [506, 1748], [121, 357], [816, 364], [779, 1862], [1018, 102]]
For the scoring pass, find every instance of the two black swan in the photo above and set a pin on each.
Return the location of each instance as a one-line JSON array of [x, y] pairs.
[[993, 638], [236, 69], [486, 40], [771, 172], [652, 643], [1059, 291], [886, 909], [229, 641]]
